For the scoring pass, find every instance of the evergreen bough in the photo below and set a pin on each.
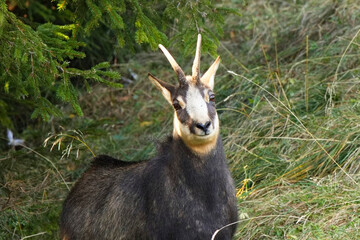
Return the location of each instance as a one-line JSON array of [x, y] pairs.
[[37, 51]]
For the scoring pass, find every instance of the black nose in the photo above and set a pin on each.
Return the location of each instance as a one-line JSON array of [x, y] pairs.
[[204, 127]]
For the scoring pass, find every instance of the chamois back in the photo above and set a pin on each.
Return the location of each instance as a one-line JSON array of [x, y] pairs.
[[176, 195]]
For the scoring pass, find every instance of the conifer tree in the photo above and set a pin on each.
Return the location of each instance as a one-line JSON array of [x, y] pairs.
[[40, 41]]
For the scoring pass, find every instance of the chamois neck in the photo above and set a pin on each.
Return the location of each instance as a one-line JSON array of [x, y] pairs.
[[202, 150]]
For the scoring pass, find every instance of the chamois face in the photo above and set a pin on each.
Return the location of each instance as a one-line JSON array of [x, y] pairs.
[[195, 118]]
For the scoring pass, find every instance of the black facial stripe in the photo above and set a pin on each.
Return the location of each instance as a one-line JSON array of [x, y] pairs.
[[183, 115], [211, 111], [210, 105], [181, 91], [192, 127], [202, 92]]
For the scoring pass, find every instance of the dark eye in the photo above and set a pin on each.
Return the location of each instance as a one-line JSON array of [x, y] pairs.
[[212, 97], [176, 105]]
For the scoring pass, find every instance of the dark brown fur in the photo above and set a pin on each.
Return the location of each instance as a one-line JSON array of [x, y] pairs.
[[176, 195]]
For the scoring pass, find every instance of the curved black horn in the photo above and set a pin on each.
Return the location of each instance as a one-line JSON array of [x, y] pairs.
[[196, 64], [180, 73]]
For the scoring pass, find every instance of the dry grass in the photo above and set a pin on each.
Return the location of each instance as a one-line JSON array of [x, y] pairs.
[[289, 118], [325, 208], [292, 117]]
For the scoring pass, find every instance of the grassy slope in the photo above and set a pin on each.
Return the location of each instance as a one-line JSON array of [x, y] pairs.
[[289, 119], [297, 120]]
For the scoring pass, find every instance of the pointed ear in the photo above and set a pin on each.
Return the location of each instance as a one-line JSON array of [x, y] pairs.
[[209, 76], [166, 89]]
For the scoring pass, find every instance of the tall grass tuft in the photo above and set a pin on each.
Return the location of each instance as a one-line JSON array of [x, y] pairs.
[[288, 100], [277, 127], [291, 120]]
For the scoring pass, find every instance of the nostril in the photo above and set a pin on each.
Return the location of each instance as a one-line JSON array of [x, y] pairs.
[[203, 127], [200, 126]]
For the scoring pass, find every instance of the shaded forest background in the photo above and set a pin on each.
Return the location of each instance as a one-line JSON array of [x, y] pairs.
[[73, 85]]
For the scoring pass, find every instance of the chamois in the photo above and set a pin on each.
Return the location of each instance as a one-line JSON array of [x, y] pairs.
[[185, 192]]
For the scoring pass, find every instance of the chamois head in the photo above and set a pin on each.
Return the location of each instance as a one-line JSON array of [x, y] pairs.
[[195, 118]]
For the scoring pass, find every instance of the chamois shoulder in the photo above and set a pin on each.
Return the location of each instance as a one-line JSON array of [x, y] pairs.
[[104, 161], [164, 146]]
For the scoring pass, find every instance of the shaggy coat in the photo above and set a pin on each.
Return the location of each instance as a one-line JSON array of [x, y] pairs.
[[176, 195], [186, 192]]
